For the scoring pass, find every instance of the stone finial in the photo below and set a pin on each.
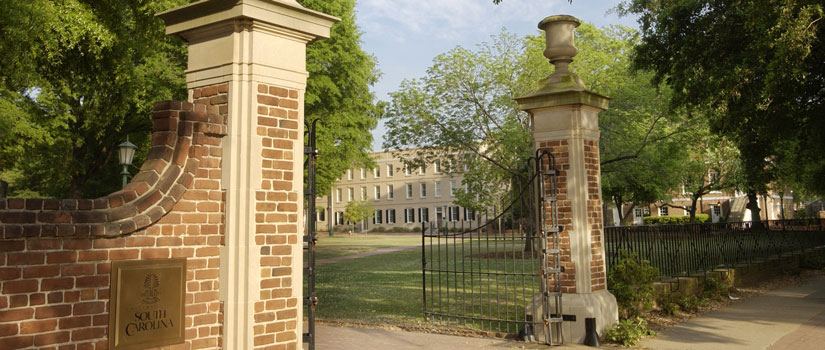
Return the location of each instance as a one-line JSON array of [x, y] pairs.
[[561, 47]]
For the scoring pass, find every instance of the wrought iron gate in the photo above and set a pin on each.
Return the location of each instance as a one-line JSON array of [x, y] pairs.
[[310, 234], [498, 271]]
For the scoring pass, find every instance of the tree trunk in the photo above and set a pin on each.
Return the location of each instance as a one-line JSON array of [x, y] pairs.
[[76, 187], [753, 206], [692, 211], [4, 189]]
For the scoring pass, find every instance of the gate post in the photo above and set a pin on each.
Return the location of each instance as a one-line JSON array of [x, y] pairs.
[[565, 122], [248, 57]]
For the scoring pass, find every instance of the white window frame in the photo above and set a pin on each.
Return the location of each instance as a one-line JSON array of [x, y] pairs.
[[377, 192], [390, 192], [439, 211], [363, 193], [390, 170], [424, 214], [409, 191], [377, 218], [390, 216], [407, 170], [409, 215], [376, 172], [349, 174], [363, 173], [638, 213], [339, 195], [422, 189], [663, 211], [437, 166], [350, 194], [438, 188], [452, 188], [422, 169]]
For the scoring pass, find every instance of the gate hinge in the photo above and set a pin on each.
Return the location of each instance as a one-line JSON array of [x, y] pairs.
[[308, 150]]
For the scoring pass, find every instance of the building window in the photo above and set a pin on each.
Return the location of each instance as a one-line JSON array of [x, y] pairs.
[[637, 212], [469, 214], [438, 188], [390, 192], [437, 167], [363, 193], [377, 219], [454, 213], [423, 190], [717, 210], [663, 211], [452, 188], [350, 194], [409, 191], [646, 211], [376, 172], [363, 173], [422, 169], [439, 213], [319, 215], [423, 214], [377, 192], [409, 215], [339, 217], [389, 170], [338, 195], [390, 216], [407, 170], [349, 174]]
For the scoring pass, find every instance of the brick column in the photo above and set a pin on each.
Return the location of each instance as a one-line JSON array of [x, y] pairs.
[[248, 57], [565, 122]]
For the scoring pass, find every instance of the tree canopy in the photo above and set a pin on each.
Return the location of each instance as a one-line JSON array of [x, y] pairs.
[[464, 106], [756, 68], [77, 77]]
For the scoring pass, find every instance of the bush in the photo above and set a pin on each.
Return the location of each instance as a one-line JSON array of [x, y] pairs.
[[675, 303], [813, 261], [378, 229], [671, 220], [399, 230], [628, 332], [716, 289], [631, 281]]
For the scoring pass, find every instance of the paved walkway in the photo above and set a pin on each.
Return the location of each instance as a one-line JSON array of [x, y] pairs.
[[361, 255], [783, 319]]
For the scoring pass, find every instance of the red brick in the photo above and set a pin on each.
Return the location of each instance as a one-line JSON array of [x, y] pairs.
[[52, 311], [16, 342], [9, 273], [78, 269], [51, 338], [18, 300], [26, 258], [75, 322], [155, 253], [89, 308], [124, 254], [15, 314], [88, 333], [94, 255], [8, 329], [41, 271], [92, 281], [57, 284], [41, 326], [22, 286], [44, 244], [12, 246], [37, 299], [61, 257]]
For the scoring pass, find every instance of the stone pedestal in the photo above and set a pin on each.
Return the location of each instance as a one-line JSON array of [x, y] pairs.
[[565, 120], [248, 58]]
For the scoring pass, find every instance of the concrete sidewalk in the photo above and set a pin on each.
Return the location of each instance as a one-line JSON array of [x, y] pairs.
[[783, 319]]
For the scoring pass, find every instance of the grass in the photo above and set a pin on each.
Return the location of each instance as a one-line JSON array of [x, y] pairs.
[[342, 244], [387, 288]]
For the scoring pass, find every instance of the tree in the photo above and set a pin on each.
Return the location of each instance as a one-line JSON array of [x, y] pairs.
[[711, 164], [464, 106], [77, 77], [358, 211], [338, 94], [756, 68]]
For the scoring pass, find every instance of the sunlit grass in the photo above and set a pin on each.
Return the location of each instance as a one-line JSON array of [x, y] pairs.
[[341, 244]]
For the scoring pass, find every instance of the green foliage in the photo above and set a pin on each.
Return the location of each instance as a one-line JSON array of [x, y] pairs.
[[357, 211], [814, 260], [629, 332], [801, 213], [631, 281], [674, 303], [77, 77], [338, 94], [715, 289], [671, 220], [754, 69]]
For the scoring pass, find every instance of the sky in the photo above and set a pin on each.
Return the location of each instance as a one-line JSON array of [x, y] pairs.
[[405, 35]]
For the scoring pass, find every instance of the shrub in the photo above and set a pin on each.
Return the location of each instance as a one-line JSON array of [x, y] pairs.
[[631, 281], [814, 261], [715, 289], [399, 230], [628, 332], [675, 303], [671, 220]]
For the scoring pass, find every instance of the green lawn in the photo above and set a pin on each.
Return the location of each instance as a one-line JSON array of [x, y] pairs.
[[387, 288], [341, 244]]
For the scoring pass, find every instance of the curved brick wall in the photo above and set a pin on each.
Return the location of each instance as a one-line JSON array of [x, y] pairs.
[[55, 255]]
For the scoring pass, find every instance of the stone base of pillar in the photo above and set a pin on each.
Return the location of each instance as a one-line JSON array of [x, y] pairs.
[[600, 305]]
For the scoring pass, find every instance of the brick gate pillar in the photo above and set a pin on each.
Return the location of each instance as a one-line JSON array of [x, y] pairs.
[[248, 57], [565, 122]]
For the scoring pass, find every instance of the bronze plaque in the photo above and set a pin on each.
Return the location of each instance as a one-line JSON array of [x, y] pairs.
[[147, 300]]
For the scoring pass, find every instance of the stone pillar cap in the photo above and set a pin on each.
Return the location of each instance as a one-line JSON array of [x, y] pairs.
[[558, 18], [282, 13]]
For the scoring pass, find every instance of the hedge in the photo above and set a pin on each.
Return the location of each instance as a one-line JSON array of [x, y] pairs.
[[666, 220]]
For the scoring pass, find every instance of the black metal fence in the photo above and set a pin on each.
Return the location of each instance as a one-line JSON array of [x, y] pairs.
[[680, 250]]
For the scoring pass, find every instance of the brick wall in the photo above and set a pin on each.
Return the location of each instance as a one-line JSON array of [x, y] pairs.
[[559, 150], [55, 255], [598, 275], [277, 206]]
